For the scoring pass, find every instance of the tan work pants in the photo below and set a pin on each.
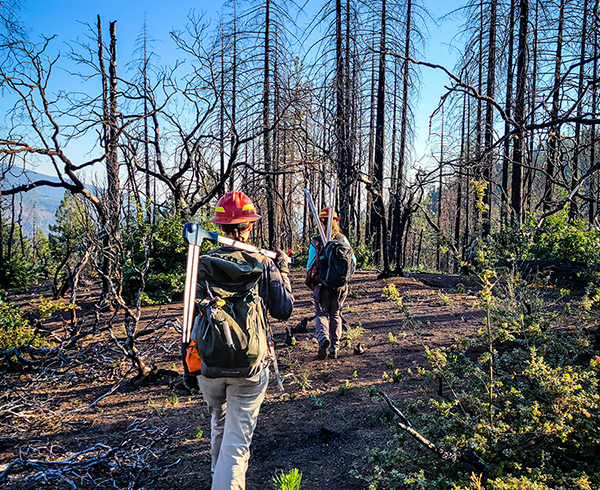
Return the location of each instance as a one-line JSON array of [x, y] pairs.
[[234, 404]]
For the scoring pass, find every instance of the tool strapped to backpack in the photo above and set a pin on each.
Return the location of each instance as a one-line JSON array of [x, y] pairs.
[[225, 332], [336, 264], [229, 329]]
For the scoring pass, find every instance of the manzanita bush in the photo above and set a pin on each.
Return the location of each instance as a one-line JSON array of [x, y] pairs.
[[521, 401]]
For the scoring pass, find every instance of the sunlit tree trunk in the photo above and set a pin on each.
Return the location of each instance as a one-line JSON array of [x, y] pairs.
[[504, 214], [378, 215], [552, 161], [489, 119], [112, 206]]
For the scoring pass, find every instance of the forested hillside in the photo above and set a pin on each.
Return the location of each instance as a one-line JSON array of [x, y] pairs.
[[273, 99]]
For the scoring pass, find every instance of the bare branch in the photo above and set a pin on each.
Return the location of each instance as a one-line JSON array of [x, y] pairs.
[[442, 452]]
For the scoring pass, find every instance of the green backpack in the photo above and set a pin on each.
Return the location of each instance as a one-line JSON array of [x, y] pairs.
[[230, 329]]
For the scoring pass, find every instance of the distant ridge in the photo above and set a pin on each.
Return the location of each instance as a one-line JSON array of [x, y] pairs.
[[39, 204]]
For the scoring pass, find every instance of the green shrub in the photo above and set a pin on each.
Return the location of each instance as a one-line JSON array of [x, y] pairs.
[[161, 287], [18, 268], [315, 402], [163, 244], [18, 271], [508, 245], [562, 239], [522, 403], [14, 329], [70, 237], [364, 256], [291, 481]]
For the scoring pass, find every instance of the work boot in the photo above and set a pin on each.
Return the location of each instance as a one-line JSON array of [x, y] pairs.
[[323, 345], [333, 354]]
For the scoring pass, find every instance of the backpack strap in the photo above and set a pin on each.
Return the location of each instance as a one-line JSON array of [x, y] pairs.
[[318, 245]]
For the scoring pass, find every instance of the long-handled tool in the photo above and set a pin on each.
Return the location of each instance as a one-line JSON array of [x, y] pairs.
[[332, 190], [274, 358], [316, 216], [194, 234]]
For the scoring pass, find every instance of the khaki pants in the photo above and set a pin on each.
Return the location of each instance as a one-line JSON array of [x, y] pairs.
[[234, 404], [328, 308]]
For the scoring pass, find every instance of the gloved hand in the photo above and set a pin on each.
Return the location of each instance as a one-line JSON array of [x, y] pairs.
[[282, 261]]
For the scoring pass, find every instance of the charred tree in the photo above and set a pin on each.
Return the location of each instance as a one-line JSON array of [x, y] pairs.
[[520, 137]]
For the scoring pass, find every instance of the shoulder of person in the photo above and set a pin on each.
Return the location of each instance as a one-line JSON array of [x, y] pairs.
[[268, 263], [226, 250], [263, 259]]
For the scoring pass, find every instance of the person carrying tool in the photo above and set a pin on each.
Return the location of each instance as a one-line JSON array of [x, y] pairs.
[[329, 268], [234, 397]]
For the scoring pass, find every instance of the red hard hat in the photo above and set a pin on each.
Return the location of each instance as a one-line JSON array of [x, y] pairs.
[[324, 214], [234, 207]]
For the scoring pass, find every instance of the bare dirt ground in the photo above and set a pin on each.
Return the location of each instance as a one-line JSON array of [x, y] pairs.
[[156, 435]]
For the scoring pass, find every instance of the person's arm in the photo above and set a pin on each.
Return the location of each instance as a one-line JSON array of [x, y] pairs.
[[353, 256], [312, 256], [276, 291]]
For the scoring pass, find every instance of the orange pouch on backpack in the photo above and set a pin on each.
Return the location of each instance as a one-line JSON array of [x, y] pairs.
[[192, 359]]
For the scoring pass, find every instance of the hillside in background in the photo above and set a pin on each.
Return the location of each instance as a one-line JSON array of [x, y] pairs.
[[38, 205]]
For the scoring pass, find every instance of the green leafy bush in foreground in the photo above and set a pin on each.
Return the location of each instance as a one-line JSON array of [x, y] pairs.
[[522, 403], [16, 330], [290, 481]]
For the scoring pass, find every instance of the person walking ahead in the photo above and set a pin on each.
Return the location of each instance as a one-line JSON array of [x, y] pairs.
[[328, 301], [234, 402]]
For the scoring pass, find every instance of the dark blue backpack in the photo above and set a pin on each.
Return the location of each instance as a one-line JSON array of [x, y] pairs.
[[335, 265]]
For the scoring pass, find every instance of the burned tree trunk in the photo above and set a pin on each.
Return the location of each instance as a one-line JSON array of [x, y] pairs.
[[519, 145], [378, 215]]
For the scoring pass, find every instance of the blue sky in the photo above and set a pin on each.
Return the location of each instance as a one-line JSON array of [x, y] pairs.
[[66, 19]]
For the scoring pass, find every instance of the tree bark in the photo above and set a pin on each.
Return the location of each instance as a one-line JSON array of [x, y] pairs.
[[378, 215], [504, 214], [552, 161], [111, 216], [268, 161], [519, 143], [573, 210], [440, 190], [489, 120], [594, 180], [402, 152]]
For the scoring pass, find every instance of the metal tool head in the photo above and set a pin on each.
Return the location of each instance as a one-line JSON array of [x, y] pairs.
[[194, 234]]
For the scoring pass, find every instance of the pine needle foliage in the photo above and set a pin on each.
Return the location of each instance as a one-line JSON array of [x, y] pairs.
[[289, 481]]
